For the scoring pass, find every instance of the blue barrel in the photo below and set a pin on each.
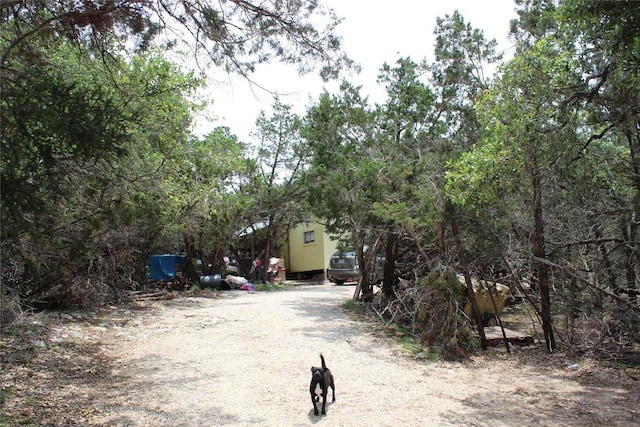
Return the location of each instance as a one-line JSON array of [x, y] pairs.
[[213, 281]]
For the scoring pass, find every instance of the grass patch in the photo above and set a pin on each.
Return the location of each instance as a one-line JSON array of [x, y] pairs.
[[352, 305], [399, 335], [411, 346], [272, 286], [18, 345], [8, 420], [6, 393], [359, 310]]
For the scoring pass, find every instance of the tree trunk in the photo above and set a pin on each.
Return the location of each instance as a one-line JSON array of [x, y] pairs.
[[390, 256], [190, 271], [608, 265], [268, 246], [632, 133], [538, 249], [630, 231], [365, 285], [471, 295]]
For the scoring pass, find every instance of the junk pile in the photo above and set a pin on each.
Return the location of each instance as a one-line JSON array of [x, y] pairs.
[[229, 282], [238, 282]]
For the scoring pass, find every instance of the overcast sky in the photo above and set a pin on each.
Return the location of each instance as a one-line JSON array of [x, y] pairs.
[[371, 35]]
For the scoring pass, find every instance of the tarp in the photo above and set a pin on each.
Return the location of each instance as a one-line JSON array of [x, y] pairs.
[[251, 229], [163, 267]]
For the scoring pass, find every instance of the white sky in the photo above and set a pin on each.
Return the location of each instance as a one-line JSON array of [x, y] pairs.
[[371, 35]]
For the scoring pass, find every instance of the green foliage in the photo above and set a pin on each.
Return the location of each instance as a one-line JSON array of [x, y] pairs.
[[444, 282], [552, 147], [483, 176], [409, 345], [409, 101], [338, 132], [519, 113], [78, 175], [360, 311], [277, 191], [354, 306], [50, 119], [403, 136], [613, 26], [272, 286], [235, 36], [442, 321], [206, 204]]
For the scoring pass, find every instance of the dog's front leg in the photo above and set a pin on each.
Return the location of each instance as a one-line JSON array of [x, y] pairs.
[[324, 401], [313, 401]]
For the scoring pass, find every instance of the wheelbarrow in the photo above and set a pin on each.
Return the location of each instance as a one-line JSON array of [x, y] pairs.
[[489, 307]]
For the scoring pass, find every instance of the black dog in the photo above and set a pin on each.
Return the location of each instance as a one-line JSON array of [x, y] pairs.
[[323, 379]]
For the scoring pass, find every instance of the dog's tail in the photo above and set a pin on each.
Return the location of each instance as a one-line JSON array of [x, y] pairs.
[[324, 366]]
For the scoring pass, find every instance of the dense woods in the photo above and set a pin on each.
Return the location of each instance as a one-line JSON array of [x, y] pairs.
[[522, 170]]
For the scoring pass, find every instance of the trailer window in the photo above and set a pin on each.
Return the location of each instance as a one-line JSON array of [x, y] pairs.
[[309, 237]]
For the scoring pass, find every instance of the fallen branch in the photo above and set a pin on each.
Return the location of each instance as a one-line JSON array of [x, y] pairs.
[[153, 296]]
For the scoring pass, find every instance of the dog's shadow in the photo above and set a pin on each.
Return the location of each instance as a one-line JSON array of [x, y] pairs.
[[317, 418]]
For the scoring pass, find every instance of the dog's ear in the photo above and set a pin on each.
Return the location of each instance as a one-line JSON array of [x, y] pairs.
[[312, 369]]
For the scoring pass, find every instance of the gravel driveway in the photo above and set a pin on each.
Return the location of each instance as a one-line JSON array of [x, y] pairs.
[[244, 360]]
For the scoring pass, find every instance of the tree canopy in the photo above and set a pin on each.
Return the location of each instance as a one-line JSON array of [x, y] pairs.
[[235, 34]]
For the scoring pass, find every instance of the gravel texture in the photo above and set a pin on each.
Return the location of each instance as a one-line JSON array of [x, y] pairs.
[[244, 359]]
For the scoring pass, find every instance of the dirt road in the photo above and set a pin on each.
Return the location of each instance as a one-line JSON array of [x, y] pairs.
[[244, 360]]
